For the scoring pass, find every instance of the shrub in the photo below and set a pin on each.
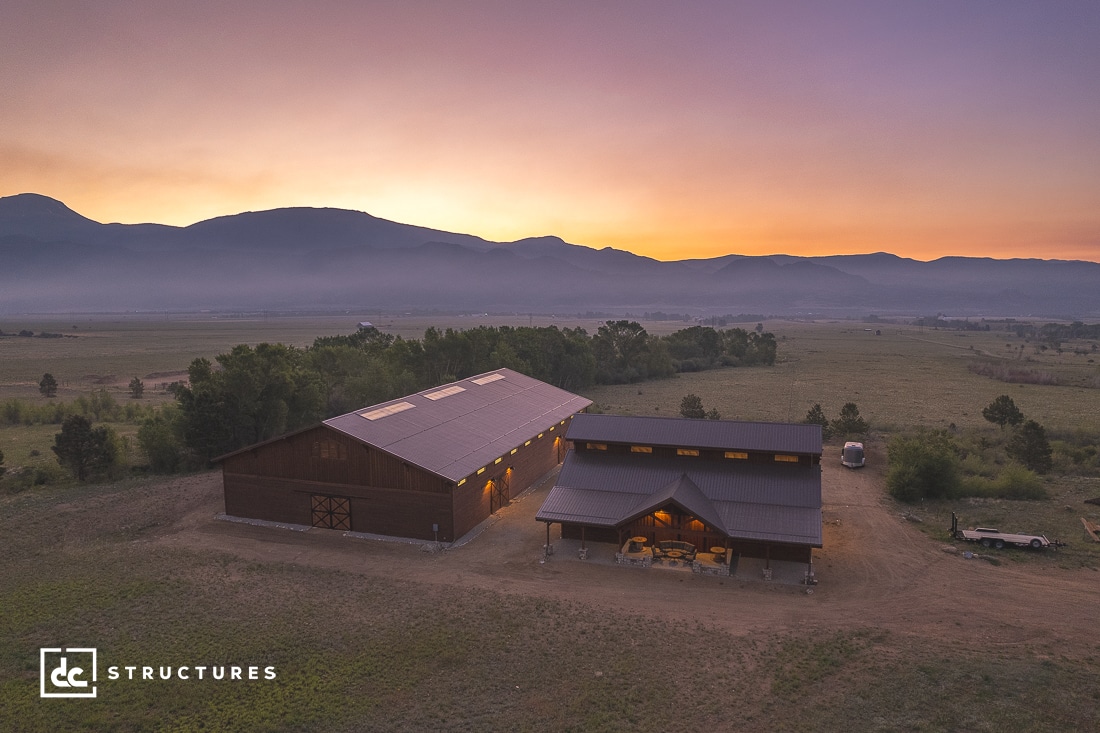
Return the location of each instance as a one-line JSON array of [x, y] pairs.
[[160, 440], [1014, 483], [924, 466]]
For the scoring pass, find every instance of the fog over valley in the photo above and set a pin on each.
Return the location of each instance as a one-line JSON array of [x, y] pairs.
[[56, 260]]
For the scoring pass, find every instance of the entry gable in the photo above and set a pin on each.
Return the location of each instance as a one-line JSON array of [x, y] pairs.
[[684, 494]]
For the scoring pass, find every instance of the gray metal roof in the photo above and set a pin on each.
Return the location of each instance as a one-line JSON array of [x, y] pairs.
[[683, 433], [770, 503], [457, 428]]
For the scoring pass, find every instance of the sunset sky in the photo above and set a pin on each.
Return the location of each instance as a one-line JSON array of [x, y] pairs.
[[672, 129]]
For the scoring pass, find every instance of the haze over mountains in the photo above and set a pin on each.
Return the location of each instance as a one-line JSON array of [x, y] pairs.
[[52, 259]]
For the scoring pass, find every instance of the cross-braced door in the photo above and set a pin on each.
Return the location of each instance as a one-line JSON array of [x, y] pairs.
[[331, 512], [500, 491]]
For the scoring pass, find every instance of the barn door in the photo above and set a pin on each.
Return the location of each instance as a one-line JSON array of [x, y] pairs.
[[331, 512], [500, 491]]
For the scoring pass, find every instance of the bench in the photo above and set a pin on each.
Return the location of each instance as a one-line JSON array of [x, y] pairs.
[[661, 549]]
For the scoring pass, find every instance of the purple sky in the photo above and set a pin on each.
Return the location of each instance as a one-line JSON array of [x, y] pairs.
[[671, 129]]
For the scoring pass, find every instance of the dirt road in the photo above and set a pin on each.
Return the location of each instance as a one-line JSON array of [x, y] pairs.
[[875, 570]]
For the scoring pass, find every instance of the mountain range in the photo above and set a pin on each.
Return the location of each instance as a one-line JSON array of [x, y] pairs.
[[52, 259]]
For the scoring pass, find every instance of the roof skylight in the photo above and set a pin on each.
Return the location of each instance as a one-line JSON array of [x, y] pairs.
[[387, 410], [489, 378], [446, 392]]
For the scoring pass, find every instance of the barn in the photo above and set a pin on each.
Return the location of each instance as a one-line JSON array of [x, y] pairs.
[[431, 465], [751, 489]]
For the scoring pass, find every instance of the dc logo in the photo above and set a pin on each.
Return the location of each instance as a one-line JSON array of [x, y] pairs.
[[67, 672]]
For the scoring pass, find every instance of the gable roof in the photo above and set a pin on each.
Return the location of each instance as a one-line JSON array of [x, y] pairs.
[[684, 494], [457, 428], [802, 438], [743, 500]]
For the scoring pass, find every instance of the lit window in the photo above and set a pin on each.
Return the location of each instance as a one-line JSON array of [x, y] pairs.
[[687, 451], [541, 434], [596, 446], [481, 470], [641, 449], [462, 481], [736, 454], [553, 428], [497, 461], [526, 443], [786, 459], [513, 451]]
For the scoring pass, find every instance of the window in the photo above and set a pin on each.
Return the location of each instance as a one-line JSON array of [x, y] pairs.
[[596, 446], [331, 450], [740, 455], [786, 459], [641, 449], [687, 451]]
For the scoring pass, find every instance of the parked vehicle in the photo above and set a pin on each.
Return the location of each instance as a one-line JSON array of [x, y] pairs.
[[852, 455], [995, 538]]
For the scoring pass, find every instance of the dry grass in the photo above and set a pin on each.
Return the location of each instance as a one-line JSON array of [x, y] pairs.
[[904, 378], [357, 653]]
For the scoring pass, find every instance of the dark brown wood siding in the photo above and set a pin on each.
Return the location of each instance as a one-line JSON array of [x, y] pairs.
[[517, 471], [275, 482]]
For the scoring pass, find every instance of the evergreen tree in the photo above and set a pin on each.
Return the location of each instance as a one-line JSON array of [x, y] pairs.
[[1003, 411], [137, 388], [692, 406], [48, 385], [1030, 447], [849, 422], [816, 416]]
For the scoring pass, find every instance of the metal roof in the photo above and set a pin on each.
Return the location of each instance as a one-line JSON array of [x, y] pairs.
[[771, 503], [454, 429], [678, 432]]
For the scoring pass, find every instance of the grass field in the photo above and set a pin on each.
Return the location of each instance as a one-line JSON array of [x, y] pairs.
[[905, 377], [359, 652]]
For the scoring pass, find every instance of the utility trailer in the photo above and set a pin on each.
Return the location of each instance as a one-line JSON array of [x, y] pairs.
[[852, 455], [995, 538]]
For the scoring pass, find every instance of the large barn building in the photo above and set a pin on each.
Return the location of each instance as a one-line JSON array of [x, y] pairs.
[[751, 488], [431, 466]]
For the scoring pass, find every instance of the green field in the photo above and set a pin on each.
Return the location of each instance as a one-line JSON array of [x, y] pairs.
[[365, 652]]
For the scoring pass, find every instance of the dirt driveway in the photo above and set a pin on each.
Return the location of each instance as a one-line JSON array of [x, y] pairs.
[[876, 570]]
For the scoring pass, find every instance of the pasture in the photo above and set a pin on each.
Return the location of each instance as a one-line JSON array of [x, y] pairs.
[[379, 636]]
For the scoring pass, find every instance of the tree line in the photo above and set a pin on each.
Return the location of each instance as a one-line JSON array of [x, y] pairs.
[[252, 394]]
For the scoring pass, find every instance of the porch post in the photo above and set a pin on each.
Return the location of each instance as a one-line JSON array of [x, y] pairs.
[[546, 547]]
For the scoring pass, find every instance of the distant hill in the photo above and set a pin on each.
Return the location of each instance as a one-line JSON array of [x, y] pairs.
[[54, 259]]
